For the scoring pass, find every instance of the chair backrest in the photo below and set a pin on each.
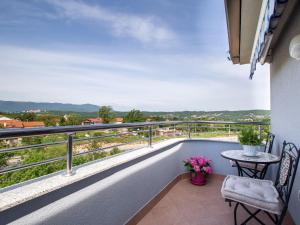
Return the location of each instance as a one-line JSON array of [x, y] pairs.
[[287, 171], [269, 143]]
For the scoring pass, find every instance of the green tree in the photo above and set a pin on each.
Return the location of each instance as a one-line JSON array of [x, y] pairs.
[[27, 117], [74, 119], [62, 121], [48, 119], [157, 118], [134, 116], [106, 113]]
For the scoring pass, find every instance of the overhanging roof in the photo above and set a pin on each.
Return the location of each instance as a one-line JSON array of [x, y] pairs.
[[242, 18], [254, 28]]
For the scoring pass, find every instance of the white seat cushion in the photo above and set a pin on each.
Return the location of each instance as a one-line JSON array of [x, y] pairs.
[[248, 165], [257, 193]]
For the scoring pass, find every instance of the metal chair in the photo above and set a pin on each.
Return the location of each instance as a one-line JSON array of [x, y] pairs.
[[251, 169], [271, 199]]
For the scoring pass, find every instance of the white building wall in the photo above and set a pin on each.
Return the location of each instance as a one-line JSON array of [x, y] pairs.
[[285, 99]]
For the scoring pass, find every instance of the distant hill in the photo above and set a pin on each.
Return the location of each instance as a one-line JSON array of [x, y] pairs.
[[13, 106], [222, 115], [89, 110], [239, 115]]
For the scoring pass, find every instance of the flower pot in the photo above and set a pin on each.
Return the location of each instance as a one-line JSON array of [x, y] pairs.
[[251, 150], [197, 179]]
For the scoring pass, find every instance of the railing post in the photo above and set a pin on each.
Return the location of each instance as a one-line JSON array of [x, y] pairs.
[[150, 136], [174, 130], [229, 131], [259, 130], [189, 130], [69, 170]]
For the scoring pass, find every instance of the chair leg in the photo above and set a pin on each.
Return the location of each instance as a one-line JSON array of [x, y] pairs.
[[253, 216], [264, 171], [229, 202], [280, 219], [275, 220], [235, 211]]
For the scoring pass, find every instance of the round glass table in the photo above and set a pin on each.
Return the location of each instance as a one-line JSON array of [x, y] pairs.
[[257, 165]]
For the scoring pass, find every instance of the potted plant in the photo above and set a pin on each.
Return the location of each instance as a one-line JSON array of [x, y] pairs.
[[199, 168], [250, 140]]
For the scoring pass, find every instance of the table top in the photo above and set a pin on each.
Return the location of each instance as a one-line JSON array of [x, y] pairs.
[[261, 157]]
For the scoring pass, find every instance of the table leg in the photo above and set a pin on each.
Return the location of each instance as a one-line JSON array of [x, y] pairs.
[[255, 171], [240, 170], [264, 171]]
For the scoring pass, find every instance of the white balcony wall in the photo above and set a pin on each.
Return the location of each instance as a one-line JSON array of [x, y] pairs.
[[116, 198]]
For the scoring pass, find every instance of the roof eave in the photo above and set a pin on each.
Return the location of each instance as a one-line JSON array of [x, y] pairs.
[[233, 18]]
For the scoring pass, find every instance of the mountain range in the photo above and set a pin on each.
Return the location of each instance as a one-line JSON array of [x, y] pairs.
[[15, 106]]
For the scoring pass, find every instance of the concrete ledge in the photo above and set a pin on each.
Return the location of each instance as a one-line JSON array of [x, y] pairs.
[[22, 192]]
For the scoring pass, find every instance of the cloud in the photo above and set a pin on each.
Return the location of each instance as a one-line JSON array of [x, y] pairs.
[[130, 80], [146, 29], [36, 58]]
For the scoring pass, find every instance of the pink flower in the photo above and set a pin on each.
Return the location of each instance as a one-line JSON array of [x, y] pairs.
[[209, 170], [193, 162], [207, 161], [201, 162], [196, 168], [198, 164]]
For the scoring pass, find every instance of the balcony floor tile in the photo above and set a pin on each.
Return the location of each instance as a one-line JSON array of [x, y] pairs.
[[186, 204]]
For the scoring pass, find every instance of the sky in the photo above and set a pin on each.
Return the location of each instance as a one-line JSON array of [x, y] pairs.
[[158, 55]]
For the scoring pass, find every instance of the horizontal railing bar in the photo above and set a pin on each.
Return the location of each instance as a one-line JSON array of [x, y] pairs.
[[106, 136], [16, 132], [108, 147], [98, 137], [20, 148], [228, 122], [11, 169], [211, 128]]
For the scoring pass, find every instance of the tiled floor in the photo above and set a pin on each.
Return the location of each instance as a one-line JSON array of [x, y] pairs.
[[186, 204]]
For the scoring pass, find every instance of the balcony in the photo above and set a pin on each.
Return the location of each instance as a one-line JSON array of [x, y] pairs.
[[146, 185]]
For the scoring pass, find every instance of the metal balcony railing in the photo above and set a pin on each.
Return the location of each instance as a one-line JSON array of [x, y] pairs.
[[148, 130]]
